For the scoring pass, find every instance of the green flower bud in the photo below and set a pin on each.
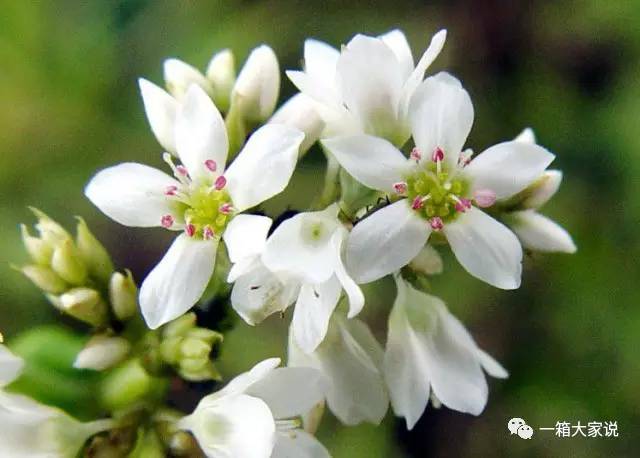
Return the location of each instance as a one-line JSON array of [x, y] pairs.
[[180, 326], [148, 445], [102, 352], [130, 384], [84, 304], [67, 262], [123, 294], [50, 231], [93, 253], [44, 278], [221, 72], [39, 251]]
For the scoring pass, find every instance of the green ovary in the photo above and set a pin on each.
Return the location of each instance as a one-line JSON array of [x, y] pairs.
[[203, 211], [437, 190]]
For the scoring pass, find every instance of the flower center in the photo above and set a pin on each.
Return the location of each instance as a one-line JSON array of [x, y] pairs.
[[202, 207], [433, 191]]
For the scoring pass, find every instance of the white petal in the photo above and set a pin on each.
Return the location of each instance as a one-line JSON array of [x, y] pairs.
[[320, 60], [291, 391], [131, 194], [301, 246], [179, 75], [10, 366], [236, 426], [405, 367], [416, 77], [178, 281], [160, 108], [508, 167], [490, 365], [264, 166], [246, 235], [243, 267], [487, 249], [300, 112], [373, 161], [350, 357], [526, 136], [441, 115], [397, 42], [260, 293], [312, 313], [258, 84], [298, 444], [354, 293], [315, 88], [539, 233], [543, 189], [385, 242], [244, 381], [200, 133], [370, 81]]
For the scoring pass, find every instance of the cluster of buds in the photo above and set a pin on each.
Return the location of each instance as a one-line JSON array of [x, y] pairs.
[[73, 272], [187, 348]]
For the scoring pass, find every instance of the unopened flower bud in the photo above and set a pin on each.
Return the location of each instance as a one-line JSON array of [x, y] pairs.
[[39, 250], [123, 294], [67, 262], [300, 112], [102, 352], [256, 90], [178, 76], [543, 189], [93, 253], [50, 231], [84, 304], [221, 73], [45, 279]]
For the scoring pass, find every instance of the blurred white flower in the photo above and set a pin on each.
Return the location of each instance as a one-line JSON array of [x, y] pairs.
[[33, 430], [536, 231], [308, 248], [257, 414], [199, 201], [351, 359], [430, 354], [439, 189], [367, 86]]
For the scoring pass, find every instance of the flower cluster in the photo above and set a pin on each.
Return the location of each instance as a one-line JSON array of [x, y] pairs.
[[401, 181]]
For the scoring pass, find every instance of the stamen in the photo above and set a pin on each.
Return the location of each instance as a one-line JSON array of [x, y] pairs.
[[462, 205], [220, 183], [465, 158], [166, 221], [436, 223], [288, 425], [484, 197], [417, 203], [182, 170], [208, 233], [171, 190], [400, 187], [416, 155], [438, 155], [190, 229], [211, 165], [225, 208]]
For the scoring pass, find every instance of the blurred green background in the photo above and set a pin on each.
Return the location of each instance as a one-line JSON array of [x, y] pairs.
[[569, 69]]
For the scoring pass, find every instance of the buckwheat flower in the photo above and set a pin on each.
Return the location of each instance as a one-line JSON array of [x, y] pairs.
[[257, 414], [430, 354], [535, 231], [30, 429], [199, 202], [439, 189], [308, 248], [351, 359], [367, 86]]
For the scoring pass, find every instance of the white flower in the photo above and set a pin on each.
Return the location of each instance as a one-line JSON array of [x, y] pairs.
[[535, 231], [256, 89], [430, 354], [308, 249], [199, 202], [257, 414], [351, 359], [33, 430], [439, 190], [367, 86]]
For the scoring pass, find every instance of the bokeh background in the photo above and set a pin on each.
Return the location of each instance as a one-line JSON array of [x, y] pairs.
[[569, 69]]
